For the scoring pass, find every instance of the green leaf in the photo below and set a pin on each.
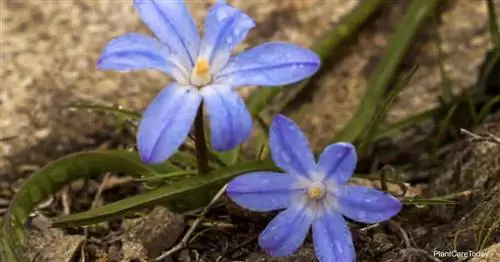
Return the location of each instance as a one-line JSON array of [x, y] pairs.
[[393, 129], [167, 176], [185, 195], [386, 69], [184, 158], [443, 130], [374, 124], [428, 201], [116, 110], [487, 108], [231, 156], [54, 176]]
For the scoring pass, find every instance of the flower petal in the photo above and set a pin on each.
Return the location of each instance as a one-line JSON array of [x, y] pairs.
[[338, 162], [270, 64], [286, 232], [230, 121], [289, 147], [263, 191], [225, 27], [365, 204], [134, 51], [166, 123], [332, 239], [173, 25]]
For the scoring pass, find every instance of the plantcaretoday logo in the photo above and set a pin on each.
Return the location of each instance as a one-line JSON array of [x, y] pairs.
[[459, 254]]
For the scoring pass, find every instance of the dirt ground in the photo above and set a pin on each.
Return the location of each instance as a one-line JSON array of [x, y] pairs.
[[49, 50]]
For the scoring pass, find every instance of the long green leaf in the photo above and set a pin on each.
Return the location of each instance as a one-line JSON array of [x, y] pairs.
[[53, 177], [374, 124], [428, 201], [185, 195], [387, 69], [486, 109], [324, 48], [393, 129], [443, 129]]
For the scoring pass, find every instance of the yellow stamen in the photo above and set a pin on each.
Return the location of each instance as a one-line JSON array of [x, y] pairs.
[[316, 191], [201, 73], [202, 67]]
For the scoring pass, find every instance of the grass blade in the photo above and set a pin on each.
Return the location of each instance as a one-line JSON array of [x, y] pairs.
[[396, 128], [429, 201], [373, 127], [486, 109], [387, 68]]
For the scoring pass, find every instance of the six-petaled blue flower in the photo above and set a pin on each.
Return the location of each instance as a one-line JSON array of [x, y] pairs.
[[203, 70], [313, 194]]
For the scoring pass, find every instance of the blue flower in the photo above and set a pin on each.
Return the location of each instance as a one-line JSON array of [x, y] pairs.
[[203, 70], [312, 194]]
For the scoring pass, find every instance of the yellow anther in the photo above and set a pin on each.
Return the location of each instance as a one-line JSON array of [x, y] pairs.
[[201, 73], [202, 67], [316, 191]]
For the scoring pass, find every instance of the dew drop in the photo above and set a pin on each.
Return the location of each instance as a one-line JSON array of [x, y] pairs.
[[221, 15], [229, 40]]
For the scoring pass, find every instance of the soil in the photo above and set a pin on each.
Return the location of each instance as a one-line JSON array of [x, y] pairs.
[[48, 55]]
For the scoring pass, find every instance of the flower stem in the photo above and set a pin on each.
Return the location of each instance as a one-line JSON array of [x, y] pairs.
[[200, 143]]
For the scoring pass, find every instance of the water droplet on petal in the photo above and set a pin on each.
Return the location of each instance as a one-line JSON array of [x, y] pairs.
[[221, 14], [229, 40]]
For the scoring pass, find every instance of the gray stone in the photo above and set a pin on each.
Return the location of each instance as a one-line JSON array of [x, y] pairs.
[[133, 251], [52, 245], [155, 232]]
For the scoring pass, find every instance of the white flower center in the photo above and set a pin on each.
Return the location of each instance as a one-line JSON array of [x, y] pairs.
[[316, 191], [201, 75]]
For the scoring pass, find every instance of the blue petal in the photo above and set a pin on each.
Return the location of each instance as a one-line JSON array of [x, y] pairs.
[[173, 25], [263, 191], [166, 123], [286, 232], [338, 162], [270, 64], [332, 239], [289, 147], [230, 121], [225, 27], [134, 51], [365, 204]]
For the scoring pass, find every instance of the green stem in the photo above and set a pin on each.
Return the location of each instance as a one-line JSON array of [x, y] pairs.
[[200, 143]]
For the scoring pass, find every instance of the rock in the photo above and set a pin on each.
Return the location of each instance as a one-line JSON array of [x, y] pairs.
[[51, 245], [490, 254], [304, 254], [151, 234], [133, 251]]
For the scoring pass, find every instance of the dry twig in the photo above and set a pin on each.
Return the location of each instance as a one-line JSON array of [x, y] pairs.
[[184, 241]]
